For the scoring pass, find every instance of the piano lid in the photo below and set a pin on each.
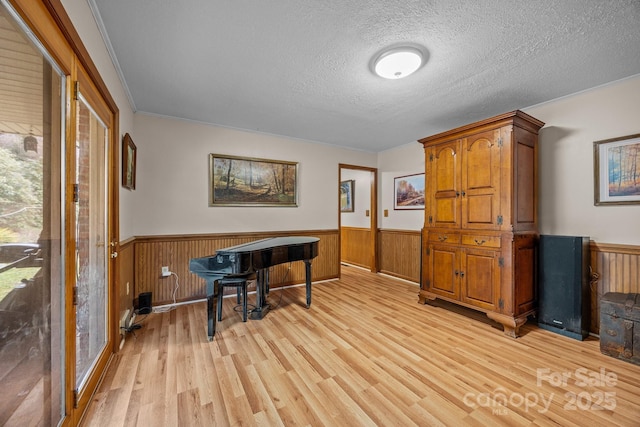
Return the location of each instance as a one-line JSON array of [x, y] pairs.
[[244, 258], [269, 243]]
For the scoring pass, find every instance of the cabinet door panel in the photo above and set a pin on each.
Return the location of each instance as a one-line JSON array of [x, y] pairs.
[[443, 271], [524, 284], [480, 284], [480, 210], [445, 211], [481, 180], [444, 185]]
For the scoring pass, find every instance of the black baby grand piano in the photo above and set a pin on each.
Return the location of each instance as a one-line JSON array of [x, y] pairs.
[[252, 260]]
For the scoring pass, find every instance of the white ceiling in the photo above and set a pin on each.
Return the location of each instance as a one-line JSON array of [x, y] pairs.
[[301, 68]]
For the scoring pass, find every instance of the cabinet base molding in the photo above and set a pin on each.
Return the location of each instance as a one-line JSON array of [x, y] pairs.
[[510, 324], [423, 296]]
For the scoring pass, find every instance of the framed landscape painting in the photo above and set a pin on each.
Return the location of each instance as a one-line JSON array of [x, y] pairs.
[[409, 192], [245, 181], [617, 170]]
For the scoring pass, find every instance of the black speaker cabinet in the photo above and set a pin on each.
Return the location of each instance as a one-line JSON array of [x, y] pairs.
[[144, 303], [563, 285]]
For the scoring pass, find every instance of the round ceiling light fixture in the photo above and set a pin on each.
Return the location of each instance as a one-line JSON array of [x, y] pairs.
[[398, 62]]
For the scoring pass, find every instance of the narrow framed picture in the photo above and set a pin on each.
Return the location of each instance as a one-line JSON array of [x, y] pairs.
[[617, 171], [129, 154], [408, 192], [347, 199], [247, 181]]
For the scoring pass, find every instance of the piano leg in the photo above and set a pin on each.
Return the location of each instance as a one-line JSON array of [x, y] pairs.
[[266, 282], [262, 282], [307, 268], [212, 304]]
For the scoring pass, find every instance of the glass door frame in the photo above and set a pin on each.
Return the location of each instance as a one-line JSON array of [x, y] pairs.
[[81, 397], [53, 28]]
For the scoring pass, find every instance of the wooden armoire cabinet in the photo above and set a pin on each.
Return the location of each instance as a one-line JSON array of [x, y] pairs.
[[480, 234]]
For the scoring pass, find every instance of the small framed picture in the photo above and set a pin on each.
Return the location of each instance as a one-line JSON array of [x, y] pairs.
[[128, 162], [347, 195], [617, 171], [409, 192]]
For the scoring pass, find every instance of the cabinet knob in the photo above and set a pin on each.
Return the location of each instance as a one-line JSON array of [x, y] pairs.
[[443, 238], [462, 274], [479, 242]]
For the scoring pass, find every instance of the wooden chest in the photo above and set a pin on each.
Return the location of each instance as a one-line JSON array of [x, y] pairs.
[[620, 326]]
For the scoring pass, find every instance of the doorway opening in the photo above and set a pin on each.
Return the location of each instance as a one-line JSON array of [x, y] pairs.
[[358, 216]]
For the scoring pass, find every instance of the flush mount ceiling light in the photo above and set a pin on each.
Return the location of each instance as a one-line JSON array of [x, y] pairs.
[[398, 62]]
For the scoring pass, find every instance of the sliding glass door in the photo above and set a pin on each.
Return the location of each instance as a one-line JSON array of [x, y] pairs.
[[32, 325], [58, 221]]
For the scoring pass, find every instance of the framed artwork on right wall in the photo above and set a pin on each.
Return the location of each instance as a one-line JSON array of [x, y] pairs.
[[617, 171], [408, 192]]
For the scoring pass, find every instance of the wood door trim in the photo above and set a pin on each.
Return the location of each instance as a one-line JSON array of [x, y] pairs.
[[373, 223]]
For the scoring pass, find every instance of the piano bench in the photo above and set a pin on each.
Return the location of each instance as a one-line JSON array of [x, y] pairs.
[[240, 283]]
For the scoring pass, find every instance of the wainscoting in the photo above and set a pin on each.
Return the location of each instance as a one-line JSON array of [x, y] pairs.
[[153, 252], [355, 246], [399, 254], [126, 281], [615, 268]]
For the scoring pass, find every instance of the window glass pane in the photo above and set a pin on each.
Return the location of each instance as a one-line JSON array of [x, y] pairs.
[[91, 240], [31, 262]]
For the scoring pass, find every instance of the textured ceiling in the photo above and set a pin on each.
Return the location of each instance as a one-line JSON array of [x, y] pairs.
[[301, 68]]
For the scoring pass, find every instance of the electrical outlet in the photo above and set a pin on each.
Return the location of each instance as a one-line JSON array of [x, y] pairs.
[[165, 271]]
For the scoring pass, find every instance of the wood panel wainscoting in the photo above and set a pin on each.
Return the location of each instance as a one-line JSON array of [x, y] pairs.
[[615, 268], [355, 246], [126, 281], [399, 253], [153, 252]]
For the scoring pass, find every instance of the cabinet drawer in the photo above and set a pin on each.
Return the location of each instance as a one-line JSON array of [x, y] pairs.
[[444, 237], [481, 241]]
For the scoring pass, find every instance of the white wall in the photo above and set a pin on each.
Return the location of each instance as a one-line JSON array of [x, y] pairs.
[[566, 168], [171, 191], [87, 29], [171, 195], [362, 198], [405, 160], [566, 175]]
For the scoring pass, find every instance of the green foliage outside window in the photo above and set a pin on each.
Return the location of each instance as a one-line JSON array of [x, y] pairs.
[[20, 191]]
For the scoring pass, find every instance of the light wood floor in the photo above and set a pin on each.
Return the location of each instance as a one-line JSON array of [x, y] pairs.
[[365, 353]]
